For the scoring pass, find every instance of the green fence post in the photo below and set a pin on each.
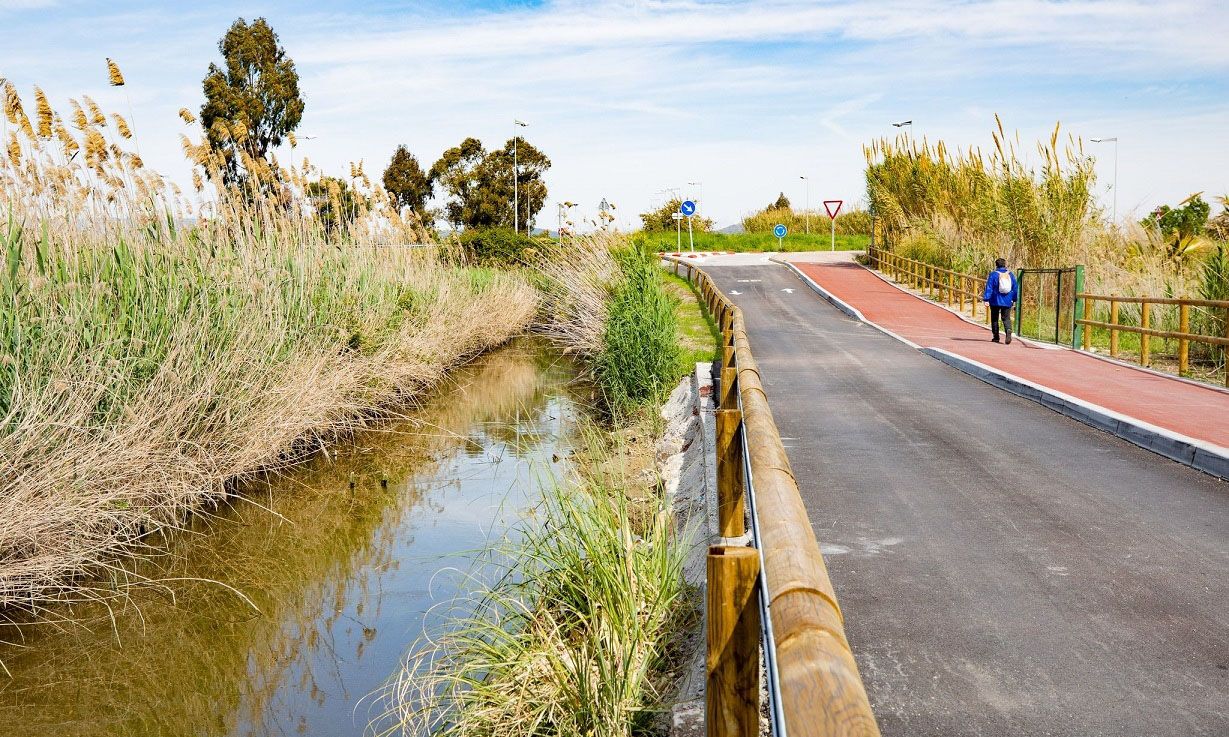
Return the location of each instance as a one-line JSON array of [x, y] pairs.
[[1019, 299], [1077, 330]]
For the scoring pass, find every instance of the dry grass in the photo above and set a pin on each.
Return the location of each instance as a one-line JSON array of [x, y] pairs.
[[146, 361]]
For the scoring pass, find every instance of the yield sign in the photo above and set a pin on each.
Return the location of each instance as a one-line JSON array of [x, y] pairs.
[[833, 207]]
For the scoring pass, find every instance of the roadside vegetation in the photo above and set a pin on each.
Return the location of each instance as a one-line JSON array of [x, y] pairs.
[[962, 209], [572, 631], [155, 348]]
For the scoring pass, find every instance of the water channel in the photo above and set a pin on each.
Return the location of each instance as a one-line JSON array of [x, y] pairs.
[[340, 581]]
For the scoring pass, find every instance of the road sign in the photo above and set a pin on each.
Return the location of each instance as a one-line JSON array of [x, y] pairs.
[[833, 207], [779, 231], [677, 216], [688, 208]]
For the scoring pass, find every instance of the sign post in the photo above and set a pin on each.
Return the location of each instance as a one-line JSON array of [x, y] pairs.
[[779, 231], [833, 207], [678, 222], [687, 209]]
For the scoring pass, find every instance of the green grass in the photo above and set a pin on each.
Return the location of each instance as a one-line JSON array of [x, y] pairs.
[[698, 336], [747, 242]]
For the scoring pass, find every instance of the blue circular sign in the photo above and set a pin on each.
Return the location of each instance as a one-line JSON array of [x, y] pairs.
[[688, 208], [779, 231]]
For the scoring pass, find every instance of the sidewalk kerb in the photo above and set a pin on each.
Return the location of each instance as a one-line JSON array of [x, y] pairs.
[[1207, 457], [844, 306]]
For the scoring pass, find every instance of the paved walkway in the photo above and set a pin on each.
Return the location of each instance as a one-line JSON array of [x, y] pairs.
[[1191, 410], [1003, 570]]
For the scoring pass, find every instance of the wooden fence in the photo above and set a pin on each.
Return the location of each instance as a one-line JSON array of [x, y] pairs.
[[821, 693], [1144, 329], [955, 288]]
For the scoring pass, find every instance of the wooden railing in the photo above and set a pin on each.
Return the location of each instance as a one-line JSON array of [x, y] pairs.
[[955, 288], [814, 680], [1145, 330]]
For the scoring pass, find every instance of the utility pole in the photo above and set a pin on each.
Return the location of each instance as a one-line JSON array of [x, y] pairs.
[[807, 208], [1114, 141], [516, 176]]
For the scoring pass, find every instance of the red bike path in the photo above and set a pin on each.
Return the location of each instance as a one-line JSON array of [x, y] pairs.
[[1197, 412]]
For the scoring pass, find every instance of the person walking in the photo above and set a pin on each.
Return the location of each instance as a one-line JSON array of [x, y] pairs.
[[1000, 297]]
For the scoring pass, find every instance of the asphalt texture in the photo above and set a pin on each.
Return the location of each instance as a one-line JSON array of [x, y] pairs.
[[1002, 569]]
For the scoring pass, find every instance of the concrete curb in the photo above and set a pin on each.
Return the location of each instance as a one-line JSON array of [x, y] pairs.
[[844, 306], [1207, 457]]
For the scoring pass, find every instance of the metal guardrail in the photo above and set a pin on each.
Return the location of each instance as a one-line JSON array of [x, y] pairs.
[[781, 593]]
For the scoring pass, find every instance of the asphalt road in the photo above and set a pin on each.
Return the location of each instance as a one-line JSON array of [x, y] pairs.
[[1003, 570]]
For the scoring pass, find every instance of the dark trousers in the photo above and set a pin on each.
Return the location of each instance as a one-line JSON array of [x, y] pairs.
[[996, 313]]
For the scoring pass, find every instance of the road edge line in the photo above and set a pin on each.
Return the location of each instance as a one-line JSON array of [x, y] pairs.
[[1202, 456]]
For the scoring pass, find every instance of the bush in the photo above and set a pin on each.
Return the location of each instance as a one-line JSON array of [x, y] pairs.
[[640, 351], [497, 247]]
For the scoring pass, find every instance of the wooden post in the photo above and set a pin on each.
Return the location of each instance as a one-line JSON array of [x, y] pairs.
[[1113, 332], [730, 500], [1184, 345], [1144, 343], [950, 280], [1088, 328], [729, 380], [732, 688]]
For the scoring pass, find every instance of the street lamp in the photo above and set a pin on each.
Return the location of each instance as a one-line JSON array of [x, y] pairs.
[[516, 195], [700, 199], [1114, 141], [903, 123], [807, 209]]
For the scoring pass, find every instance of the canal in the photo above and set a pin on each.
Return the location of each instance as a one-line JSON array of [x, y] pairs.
[[285, 612]]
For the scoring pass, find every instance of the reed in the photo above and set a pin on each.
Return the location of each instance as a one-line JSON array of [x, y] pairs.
[[969, 208], [153, 349]]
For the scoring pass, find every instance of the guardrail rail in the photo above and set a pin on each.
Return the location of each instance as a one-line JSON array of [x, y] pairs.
[[778, 593]]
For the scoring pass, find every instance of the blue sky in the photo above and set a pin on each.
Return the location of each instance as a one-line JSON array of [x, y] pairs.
[[629, 98]]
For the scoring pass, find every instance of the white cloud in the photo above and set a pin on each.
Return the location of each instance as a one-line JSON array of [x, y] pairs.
[[629, 97]]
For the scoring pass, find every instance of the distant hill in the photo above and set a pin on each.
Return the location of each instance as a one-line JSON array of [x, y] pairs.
[[732, 229]]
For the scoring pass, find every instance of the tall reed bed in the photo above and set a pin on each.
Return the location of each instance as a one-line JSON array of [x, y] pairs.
[[851, 222], [147, 359], [569, 634], [962, 209]]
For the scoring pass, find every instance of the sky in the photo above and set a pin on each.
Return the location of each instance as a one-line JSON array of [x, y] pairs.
[[630, 98]]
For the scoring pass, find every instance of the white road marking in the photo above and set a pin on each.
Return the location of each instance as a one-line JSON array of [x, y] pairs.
[[788, 290], [750, 281], [735, 292]]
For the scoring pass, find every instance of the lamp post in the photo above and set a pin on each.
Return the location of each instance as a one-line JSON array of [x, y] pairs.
[[700, 198], [516, 195], [807, 208], [1113, 140]]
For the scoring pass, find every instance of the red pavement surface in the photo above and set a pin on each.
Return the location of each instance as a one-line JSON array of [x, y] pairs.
[[1194, 411]]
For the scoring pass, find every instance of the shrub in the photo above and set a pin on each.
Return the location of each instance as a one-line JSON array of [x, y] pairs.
[[497, 247], [640, 351]]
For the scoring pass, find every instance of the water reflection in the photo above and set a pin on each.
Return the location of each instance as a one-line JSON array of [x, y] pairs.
[[339, 577]]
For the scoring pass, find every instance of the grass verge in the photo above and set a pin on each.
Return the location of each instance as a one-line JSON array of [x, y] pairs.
[[751, 242]]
